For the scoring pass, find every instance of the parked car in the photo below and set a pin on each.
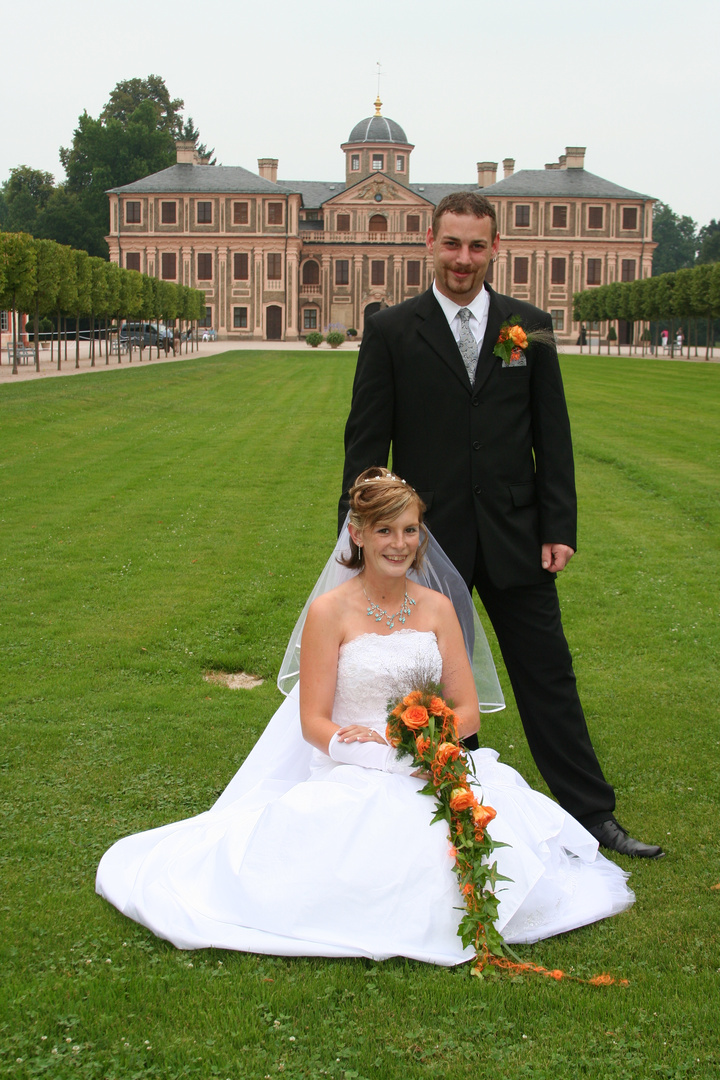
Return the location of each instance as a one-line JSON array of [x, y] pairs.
[[147, 333]]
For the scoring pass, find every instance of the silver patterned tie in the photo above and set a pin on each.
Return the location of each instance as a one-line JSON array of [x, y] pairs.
[[467, 344]]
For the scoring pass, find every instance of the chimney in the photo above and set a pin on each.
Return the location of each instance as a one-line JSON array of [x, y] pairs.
[[186, 153], [267, 167], [508, 167], [487, 173], [562, 161], [575, 157], [553, 165]]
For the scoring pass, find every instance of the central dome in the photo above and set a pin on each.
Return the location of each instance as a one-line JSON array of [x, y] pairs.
[[377, 129]]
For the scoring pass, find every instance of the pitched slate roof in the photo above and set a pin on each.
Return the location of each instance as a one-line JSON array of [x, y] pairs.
[[314, 192], [203, 179], [560, 183]]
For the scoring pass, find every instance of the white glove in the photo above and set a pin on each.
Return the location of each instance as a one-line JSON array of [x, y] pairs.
[[369, 755]]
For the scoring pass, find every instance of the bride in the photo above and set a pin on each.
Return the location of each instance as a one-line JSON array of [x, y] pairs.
[[321, 844]]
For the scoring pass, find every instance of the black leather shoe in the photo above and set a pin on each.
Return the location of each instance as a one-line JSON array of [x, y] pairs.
[[611, 835]]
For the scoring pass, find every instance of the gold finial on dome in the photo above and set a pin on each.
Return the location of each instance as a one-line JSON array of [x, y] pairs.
[[378, 106]]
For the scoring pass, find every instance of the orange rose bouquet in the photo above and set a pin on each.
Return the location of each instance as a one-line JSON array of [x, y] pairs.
[[424, 727]]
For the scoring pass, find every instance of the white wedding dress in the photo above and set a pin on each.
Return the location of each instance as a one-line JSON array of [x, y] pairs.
[[301, 856]]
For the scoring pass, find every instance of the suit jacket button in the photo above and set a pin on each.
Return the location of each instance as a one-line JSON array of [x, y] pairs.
[[476, 445], [477, 489], [475, 401]]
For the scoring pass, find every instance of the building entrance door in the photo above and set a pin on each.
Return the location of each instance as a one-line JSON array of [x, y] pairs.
[[273, 323], [625, 334]]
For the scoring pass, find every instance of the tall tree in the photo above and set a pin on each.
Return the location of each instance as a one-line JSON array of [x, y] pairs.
[[129, 94], [105, 155], [709, 241], [191, 134], [676, 238], [24, 195]]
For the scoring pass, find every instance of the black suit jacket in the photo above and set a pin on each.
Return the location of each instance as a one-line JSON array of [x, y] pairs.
[[492, 461]]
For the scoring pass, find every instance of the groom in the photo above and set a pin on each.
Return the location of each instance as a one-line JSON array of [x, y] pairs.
[[485, 441]]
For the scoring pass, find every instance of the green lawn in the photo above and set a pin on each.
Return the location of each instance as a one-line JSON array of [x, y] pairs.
[[160, 522]]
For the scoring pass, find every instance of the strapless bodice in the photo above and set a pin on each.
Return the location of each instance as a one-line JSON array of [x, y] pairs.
[[374, 668]]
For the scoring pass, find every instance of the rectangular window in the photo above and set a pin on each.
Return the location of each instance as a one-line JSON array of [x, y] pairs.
[[275, 213], [559, 217], [241, 215], [133, 213], [377, 272], [558, 319], [412, 223], [413, 272], [355, 162], [205, 267], [343, 223], [520, 269], [378, 161], [240, 318], [240, 266], [204, 213], [132, 260], [522, 217], [274, 266], [342, 271], [594, 271], [168, 213], [3, 320], [557, 272], [628, 270], [595, 217], [310, 318], [400, 163], [207, 320], [168, 264], [630, 217]]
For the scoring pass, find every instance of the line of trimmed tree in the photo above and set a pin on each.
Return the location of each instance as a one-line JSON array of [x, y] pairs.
[[690, 296], [46, 280]]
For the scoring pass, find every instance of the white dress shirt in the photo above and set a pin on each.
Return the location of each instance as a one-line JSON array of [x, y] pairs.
[[479, 308]]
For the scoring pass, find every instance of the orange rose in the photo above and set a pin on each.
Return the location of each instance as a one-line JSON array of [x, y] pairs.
[[437, 706], [445, 752], [412, 699], [483, 815], [518, 335], [397, 712], [423, 745], [415, 717], [461, 798]]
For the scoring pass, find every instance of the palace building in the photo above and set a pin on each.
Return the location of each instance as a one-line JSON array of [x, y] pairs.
[[278, 259]]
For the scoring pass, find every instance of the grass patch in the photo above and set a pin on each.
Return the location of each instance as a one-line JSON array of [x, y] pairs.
[[159, 523]]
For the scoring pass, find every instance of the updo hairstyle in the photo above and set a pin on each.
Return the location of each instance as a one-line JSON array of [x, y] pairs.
[[379, 495]]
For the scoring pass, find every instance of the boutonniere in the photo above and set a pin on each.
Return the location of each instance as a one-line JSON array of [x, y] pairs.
[[513, 340]]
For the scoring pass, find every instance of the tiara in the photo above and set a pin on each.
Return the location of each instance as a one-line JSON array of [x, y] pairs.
[[382, 479]]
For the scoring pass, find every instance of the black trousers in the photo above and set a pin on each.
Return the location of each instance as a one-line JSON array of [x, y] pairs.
[[529, 630]]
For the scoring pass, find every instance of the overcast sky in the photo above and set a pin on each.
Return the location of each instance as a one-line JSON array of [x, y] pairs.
[[636, 81]]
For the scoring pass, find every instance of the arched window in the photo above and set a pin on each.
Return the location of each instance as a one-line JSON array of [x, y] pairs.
[[311, 273], [378, 223]]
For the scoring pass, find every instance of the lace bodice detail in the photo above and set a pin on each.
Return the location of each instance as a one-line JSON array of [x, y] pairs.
[[373, 668]]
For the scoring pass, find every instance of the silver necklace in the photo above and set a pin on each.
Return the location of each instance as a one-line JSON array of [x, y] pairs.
[[381, 613]]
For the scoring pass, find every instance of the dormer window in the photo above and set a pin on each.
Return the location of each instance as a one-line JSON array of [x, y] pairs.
[[378, 162]]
